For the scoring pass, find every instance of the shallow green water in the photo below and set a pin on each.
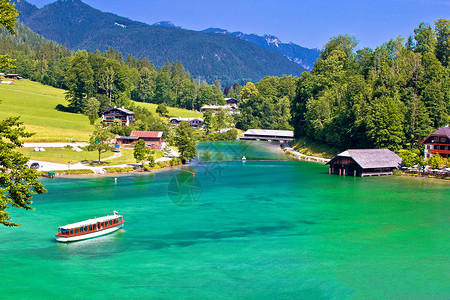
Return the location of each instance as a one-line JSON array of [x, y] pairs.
[[259, 229]]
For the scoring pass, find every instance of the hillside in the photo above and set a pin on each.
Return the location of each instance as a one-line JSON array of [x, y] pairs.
[[298, 54], [206, 56], [36, 103]]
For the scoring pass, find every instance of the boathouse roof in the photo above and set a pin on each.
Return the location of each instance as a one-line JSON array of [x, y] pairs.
[[269, 132], [371, 158]]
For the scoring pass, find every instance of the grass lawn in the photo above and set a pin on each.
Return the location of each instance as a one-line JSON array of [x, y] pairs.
[[35, 103], [173, 111], [62, 155], [126, 158]]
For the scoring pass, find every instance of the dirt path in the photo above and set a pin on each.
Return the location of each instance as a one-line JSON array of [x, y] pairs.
[[116, 154]]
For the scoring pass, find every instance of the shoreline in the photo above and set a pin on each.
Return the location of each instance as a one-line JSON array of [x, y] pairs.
[[115, 173]]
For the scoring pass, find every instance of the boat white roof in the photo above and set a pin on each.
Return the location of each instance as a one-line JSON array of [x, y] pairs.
[[90, 222]]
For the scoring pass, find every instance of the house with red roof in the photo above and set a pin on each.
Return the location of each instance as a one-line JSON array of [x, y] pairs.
[[152, 139], [437, 142]]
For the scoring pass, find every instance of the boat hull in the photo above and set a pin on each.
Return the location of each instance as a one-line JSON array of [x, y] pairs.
[[88, 235]]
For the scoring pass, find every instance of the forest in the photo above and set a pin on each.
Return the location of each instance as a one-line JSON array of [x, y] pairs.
[[391, 97], [105, 76]]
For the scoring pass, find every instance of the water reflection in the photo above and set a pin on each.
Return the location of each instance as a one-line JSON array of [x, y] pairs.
[[92, 247]]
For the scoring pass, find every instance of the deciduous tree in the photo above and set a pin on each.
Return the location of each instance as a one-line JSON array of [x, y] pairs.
[[101, 140], [140, 151], [185, 142], [18, 183], [8, 17]]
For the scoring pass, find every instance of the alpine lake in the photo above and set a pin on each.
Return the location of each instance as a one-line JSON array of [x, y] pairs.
[[268, 228]]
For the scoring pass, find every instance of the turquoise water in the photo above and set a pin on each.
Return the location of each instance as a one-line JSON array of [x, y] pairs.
[[265, 228]]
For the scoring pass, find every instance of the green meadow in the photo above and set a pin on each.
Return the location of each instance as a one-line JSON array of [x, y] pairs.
[[173, 111], [36, 103]]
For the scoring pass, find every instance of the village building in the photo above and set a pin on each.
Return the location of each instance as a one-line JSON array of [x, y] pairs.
[[193, 122], [118, 113], [13, 76], [231, 101], [216, 108], [269, 135], [437, 142], [364, 162], [152, 139]]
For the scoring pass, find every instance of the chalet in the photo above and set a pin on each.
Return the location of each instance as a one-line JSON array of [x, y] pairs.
[[119, 113], [152, 139], [13, 76], [193, 122], [364, 162], [231, 101], [437, 142], [268, 135]]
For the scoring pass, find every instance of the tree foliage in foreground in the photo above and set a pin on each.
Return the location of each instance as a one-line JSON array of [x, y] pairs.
[[18, 183], [391, 97], [8, 16]]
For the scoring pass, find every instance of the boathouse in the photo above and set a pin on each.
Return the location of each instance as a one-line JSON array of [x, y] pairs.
[[268, 135], [364, 162]]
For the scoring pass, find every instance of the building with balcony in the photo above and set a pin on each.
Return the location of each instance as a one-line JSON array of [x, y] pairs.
[[437, 142]]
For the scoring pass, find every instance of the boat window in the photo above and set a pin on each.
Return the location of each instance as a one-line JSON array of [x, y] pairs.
[[109, 222], [85, 228], [71, 231], [76, 230], [81, 229], [90, 227], [95, 226]]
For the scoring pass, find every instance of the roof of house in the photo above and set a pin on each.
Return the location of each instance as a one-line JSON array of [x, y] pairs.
[[443, 131], [268, 132], [371, 158], [147, 134], [122, 109]]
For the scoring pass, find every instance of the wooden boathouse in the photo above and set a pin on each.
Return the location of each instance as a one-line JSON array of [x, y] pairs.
[[364, 162], [281, 136]]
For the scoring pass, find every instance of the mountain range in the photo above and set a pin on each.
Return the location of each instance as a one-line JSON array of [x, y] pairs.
[[209, 55], [298, 54]]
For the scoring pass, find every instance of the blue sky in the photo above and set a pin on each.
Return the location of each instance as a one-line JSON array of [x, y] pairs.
[[305, 22]]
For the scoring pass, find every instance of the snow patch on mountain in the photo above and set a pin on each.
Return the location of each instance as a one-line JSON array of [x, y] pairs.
[[120, 25], [270, 39]]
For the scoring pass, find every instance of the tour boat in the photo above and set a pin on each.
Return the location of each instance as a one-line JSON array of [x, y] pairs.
[[90, 228]]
